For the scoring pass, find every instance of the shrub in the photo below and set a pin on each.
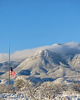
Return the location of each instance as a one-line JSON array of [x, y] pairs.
[[50, 90], [6, 89], [76, 87], [19, 83]]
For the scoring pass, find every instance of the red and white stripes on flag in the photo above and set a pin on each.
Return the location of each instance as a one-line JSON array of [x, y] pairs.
[[12, 72]]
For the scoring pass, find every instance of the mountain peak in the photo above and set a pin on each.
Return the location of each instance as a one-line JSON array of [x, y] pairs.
[[43, 53]]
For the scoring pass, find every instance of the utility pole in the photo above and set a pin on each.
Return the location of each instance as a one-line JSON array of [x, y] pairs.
[[9, 65]]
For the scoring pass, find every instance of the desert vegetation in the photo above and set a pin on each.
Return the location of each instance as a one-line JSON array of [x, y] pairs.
[[46, 90]]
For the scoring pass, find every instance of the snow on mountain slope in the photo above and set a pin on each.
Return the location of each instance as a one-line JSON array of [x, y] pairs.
[[43, 62], [48, 63], [46, 66]]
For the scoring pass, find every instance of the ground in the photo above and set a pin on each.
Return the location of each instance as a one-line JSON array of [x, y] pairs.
[[20, 96]]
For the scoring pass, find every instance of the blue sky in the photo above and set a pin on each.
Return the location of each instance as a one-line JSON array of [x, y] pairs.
[[27, 24]]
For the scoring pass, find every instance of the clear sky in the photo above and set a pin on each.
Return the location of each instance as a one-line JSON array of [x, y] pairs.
[[29, 24]]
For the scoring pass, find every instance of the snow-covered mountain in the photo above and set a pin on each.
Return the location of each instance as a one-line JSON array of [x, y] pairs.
[[64, 48], [46, 63]]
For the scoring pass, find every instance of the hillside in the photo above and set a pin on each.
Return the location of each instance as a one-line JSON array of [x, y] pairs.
[[48, 63]]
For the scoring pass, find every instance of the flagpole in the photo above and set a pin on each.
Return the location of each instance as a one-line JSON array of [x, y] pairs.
[[9, 64]]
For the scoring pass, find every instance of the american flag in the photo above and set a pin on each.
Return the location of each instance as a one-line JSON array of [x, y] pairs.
[[12, 72]]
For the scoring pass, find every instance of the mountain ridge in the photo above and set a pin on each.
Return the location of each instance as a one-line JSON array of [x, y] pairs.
[[49, 64]]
